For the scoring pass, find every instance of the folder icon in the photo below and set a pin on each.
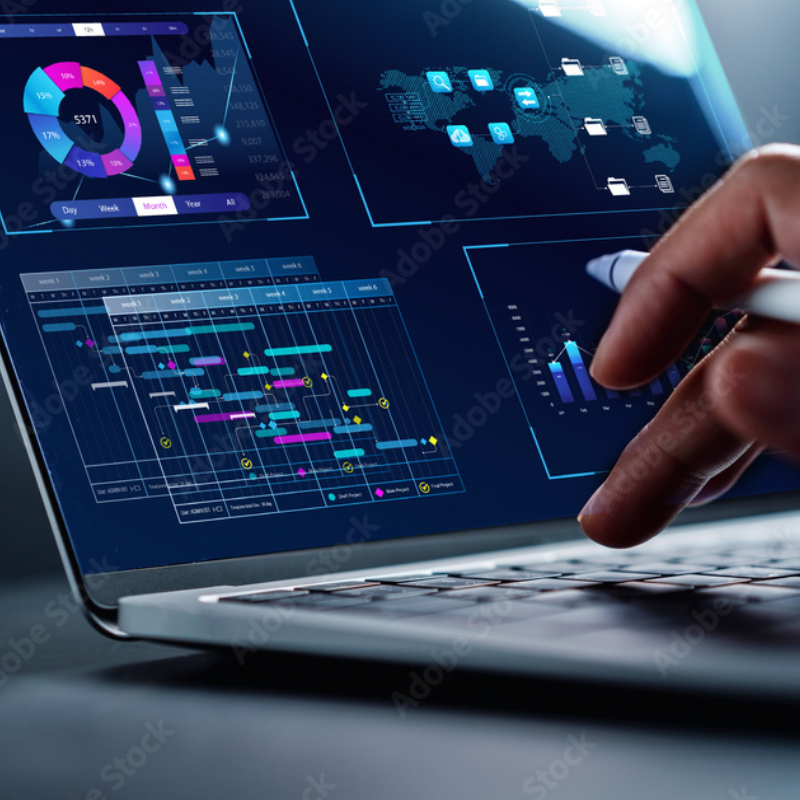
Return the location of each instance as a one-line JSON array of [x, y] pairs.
[[665, 184], [595, 127], [618, 187], [572, 67], [549, 8]]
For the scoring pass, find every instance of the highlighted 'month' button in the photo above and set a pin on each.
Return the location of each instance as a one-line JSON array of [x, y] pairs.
[[163, 206]]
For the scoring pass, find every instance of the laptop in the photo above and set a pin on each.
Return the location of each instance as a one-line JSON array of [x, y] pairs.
[[297, 329]]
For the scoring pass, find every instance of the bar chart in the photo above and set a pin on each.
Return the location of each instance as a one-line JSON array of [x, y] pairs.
[[548, 317]]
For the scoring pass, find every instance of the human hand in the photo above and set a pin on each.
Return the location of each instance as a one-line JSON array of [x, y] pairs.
[[745, 395]]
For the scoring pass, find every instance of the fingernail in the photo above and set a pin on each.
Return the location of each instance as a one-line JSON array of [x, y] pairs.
[[592, 504]]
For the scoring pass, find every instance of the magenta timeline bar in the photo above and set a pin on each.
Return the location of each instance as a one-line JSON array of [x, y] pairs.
[[297, 438], [288, 384], [224, 417]]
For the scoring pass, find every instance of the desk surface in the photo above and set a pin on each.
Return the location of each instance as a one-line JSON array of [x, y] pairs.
[[87, 717]]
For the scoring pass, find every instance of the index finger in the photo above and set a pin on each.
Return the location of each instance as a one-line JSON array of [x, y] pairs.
[[712, 255]]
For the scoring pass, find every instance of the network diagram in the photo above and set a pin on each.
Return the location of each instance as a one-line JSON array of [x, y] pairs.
[[435, 98]]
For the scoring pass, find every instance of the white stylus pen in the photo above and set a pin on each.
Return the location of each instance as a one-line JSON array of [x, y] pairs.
[[775, 295]]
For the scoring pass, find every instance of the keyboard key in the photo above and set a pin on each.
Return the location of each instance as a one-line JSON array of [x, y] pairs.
[[612, 576], [488, 594], [755, 572], [449, 582], [667, 568], [563, 567], [792, 563], [508, 575], [411, 576], [338, 586], [698, 581], [264, 597], [792, 582], [418, 606], [749, 593], [386, 592], [323, 602], [553, 584], [565, 597], [644, 589]]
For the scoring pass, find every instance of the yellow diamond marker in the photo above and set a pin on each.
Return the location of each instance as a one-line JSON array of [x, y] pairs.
[[247, 463], [166, 443], [267, 387], [324, 376], [433, 440], [424, 488], [383, 402], [357, 420], [345, 408], [347, 467], [246, 355]]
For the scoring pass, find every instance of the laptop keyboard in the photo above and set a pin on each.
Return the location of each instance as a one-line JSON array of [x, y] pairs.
[[630, 591]]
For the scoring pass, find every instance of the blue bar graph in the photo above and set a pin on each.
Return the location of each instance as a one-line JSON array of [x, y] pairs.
[[674, 376], [581, 373], [656, 387], [565, 393]]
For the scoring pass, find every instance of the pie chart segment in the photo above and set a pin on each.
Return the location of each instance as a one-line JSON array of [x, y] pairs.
[[92, 79], [44, 93], [86, 163], [66, 75], [42, 96], [51, 135], [116, 163], [132, 143]]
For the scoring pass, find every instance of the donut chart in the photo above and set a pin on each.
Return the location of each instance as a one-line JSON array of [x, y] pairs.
[[44, 92]]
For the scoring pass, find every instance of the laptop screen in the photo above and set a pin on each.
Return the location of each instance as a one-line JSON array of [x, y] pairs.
[[279, 267]]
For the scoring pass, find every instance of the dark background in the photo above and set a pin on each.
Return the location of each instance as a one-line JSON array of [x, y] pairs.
[[757, 48]]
